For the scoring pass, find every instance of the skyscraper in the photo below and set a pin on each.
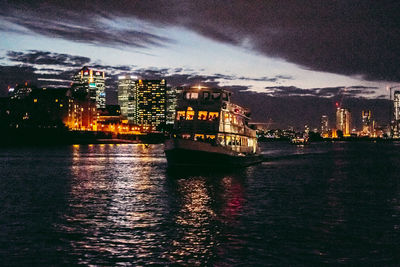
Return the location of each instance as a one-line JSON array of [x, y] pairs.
[[343, 121], [90, 82], [324, 126], [396, 115], [172, 98], [366, 123], [149, 109], [126, 91], [87, 95]]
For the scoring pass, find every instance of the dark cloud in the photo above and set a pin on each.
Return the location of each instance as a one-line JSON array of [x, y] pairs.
[[358, 37], [327, 92], [10, 76], [47, 58]]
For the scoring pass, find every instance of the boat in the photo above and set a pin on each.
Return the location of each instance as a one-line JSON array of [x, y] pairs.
[[211, 131]]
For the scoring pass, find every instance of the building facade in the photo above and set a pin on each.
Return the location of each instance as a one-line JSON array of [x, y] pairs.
[[396, 115], [367, 124], [343, 121], [324, 126], [126, 91], [90, 83]]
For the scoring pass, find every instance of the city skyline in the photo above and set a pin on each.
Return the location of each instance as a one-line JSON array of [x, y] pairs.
[[274, 56]]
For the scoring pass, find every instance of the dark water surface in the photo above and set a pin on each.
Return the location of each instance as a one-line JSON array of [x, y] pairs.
[[116, 205]]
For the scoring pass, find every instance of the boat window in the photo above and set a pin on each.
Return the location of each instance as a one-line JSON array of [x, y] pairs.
[[226, 117], [216, 96], [202, 115], [199, 137], [212, 137], [221, 139], [191, 95], [225, 96], [180, 115], [206, 95], [190, 114], [185, 136], [212, 116]]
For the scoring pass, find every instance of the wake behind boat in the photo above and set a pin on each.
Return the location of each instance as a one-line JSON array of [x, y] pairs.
[[209, 130]]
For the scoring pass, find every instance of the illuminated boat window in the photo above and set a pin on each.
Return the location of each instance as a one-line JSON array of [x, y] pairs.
[[199, 137], [191, 95], [212, 116], [202, 115], [180, 115], [212, 137], [185, 136], [189, 114]]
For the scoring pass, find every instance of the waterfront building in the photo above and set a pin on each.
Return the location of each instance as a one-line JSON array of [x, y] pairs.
[[91, 84], [172, 98], [367, 124], [126, 90], [149, 108], [343, 121], [324, 126], [396, 115]]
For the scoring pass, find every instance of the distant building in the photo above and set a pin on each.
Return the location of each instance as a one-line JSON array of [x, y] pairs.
[[343, 121], [126, 91], [149, 108], [396, 115], [172, 98], [33, 107], [324, 126], [87, 95], [367, 123], [90, 83]]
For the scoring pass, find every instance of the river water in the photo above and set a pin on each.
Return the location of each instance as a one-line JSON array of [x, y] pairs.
[[325, 203]]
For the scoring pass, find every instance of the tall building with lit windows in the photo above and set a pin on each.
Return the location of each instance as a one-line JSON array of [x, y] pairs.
[[324, 126], [343, 121], [149, 104], [396, 115], [91, 83], [87, 95], [126, 91], [367, 127]]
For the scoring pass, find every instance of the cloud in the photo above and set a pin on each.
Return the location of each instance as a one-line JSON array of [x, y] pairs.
[[36, 57], [357, 37]]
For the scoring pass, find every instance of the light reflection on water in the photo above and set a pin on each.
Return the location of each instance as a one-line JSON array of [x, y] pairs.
[[117, 204]]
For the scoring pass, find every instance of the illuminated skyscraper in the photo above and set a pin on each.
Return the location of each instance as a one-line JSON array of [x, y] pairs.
[[149, 104], [343, 121], [126, 91], [172, 97], [396, 115], [366, 123], [91, 83], [324, 126], [87, 95]]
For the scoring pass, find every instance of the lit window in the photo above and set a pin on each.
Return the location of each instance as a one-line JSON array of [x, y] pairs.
[[35, 100], [202, 115], [199, 137], [216, 96], [189, 114], [180, 115], [212, 116]]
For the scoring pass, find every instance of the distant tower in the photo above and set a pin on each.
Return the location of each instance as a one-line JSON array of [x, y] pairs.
[[366, 122], [324, 126], [172, 97], [149, 104], [126, 91], [343, 121], [92, 83], [396, 115]]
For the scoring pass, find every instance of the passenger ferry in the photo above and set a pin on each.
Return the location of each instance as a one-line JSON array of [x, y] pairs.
[[209, 130]]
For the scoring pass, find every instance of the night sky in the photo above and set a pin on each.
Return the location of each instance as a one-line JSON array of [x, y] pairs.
[[289, 61]]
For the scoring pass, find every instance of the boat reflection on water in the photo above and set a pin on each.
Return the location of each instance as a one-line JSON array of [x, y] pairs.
[[208, 207]]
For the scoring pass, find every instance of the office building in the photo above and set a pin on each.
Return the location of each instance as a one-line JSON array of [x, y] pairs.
[[367, 125], [91, 84], [172, 98], [149, 108], [126, 89], [324, 126], [396, 115], [343, 121]]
